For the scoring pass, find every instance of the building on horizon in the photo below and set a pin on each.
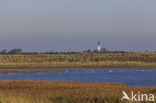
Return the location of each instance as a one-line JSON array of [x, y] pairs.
[[99, 47]]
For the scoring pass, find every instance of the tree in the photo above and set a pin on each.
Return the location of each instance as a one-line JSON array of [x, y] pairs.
[[15, 51], [3, 51], [88, 51]]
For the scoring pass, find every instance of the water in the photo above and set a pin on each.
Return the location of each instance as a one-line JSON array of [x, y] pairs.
[[130, 77]]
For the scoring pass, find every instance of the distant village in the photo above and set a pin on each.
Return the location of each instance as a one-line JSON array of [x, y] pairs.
[[98, 49]]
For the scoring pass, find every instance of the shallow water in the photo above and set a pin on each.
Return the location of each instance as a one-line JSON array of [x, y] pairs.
[[130, 77]]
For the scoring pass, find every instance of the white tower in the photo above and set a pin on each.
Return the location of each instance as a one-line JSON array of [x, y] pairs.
[[99, 47]]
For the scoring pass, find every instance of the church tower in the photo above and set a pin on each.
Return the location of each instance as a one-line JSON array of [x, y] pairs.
[[99, 47]]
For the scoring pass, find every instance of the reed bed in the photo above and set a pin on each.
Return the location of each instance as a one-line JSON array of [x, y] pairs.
[[26, 91], [81, 60]]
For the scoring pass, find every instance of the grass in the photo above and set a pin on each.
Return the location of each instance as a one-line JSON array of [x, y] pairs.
[[25, 91], [81, 60]]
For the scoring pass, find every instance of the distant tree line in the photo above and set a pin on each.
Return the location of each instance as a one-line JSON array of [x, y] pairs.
[[13, 51], [20, 51], [103, 50]]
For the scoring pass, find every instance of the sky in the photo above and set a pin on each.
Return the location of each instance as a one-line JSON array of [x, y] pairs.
[[45, 25]]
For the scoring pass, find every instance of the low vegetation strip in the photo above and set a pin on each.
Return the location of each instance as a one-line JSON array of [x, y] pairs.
[[25, 91], [80, 60]]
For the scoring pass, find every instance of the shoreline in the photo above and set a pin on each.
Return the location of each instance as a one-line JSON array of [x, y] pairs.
[[65, 70], [50, 71], [76, 67]]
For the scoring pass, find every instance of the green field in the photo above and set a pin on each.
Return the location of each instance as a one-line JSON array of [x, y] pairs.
[[81, 60], [66, 92]]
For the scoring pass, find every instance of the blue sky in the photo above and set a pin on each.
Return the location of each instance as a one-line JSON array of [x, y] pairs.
[[43, 25]]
